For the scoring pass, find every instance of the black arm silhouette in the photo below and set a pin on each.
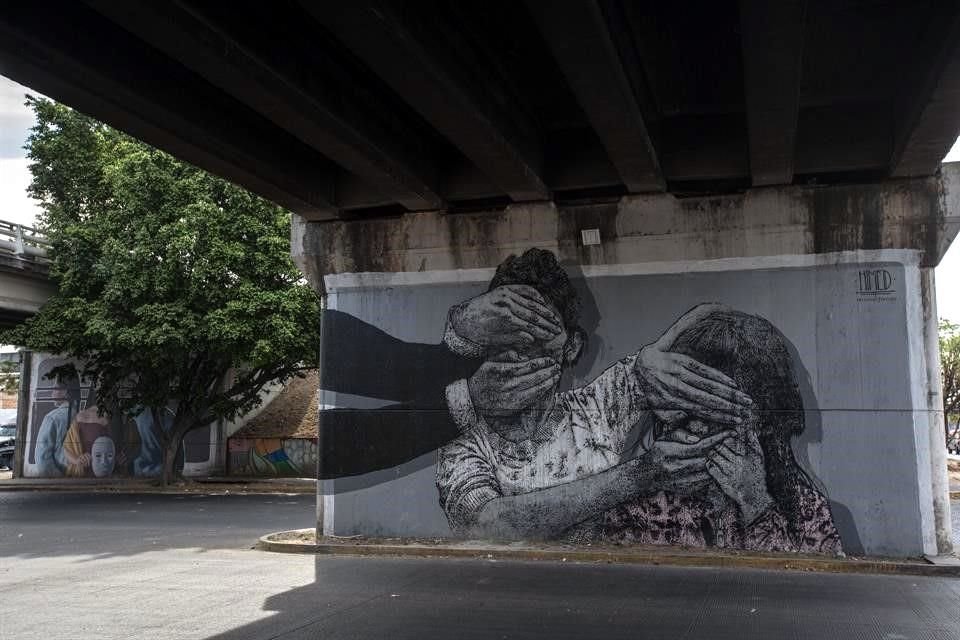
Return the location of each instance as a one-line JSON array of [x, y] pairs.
[[361, 359]]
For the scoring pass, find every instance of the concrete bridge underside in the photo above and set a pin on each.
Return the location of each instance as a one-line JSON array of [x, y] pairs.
[[24, 288], [366, 109]]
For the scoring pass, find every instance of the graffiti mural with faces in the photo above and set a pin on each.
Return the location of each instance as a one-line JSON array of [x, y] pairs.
[[99, 445], [684, 441], [70, 436], [56, 401]]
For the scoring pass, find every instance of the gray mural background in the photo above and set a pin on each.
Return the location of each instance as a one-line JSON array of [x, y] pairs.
[[851, 355]]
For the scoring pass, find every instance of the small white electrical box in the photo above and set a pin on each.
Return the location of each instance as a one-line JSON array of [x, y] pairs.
[[590, 236]]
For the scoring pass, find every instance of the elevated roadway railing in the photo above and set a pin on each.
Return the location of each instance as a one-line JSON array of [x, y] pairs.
[[23, 243]]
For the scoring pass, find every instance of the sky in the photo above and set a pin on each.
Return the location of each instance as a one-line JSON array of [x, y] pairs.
[[16, 206], [15, 120]]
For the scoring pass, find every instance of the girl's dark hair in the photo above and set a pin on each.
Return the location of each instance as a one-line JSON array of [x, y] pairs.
[[539, 269], [754, 353]]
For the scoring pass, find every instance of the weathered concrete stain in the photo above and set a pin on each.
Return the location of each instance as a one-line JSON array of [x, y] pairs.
[[572, 220], [896, 214], [940, 482]]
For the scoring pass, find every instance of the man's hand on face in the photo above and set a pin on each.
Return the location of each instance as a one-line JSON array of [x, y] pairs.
[[506, 386], [509, 316], [675, 382]]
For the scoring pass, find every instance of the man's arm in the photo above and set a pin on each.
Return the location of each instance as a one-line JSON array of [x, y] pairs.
[[361, 359], [358, 441], [60, 429], [548, 512], [44, 451]]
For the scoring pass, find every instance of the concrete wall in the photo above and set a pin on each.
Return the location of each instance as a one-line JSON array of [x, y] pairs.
[[61, 423], [272, 457], [829, 280], [270, 392]]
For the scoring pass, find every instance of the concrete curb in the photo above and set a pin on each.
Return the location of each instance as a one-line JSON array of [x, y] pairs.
[[645, 556]]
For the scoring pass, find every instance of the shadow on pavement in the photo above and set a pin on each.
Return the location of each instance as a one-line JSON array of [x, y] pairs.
[[400, 598]]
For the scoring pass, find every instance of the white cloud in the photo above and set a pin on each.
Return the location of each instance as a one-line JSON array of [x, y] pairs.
[[12, 99], [948, 271], [15, 118], [15, 204], [15, 122], [948, 275], [954, 154]]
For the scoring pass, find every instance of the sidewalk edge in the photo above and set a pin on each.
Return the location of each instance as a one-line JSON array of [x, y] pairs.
[[664, 558]]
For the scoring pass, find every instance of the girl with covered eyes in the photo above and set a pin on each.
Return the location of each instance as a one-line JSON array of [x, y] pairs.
[[756, 495]]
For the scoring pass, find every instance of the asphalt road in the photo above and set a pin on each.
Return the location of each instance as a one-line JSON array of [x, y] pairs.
[[95, 566], [44, 524]]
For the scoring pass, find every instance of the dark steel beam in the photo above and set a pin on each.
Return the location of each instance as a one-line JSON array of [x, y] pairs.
[[77, 59], [437, 73], [593, 62], [927, 105], [772, 44], [318, 102]]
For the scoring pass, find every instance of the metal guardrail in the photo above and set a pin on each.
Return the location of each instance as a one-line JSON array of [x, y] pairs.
[[25, 243]]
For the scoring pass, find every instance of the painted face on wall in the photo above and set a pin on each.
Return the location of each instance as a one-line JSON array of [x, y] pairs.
[[59, 394], [103, 457]]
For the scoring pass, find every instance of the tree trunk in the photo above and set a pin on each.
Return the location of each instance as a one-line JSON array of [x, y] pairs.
[[171, 449], [169, 462]]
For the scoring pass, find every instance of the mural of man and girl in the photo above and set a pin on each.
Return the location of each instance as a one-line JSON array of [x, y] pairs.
[[686, 441], [72, 438]]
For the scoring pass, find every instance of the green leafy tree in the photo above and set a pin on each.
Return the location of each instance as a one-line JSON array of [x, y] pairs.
[[176, 288], [950, 373]]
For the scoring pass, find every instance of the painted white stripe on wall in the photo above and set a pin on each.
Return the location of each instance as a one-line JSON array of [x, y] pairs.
[[379, 280]]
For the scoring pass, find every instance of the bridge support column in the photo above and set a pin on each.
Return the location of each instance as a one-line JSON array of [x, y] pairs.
[[835, 283], [939, 478]]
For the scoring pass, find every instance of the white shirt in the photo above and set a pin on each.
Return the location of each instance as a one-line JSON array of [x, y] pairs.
[[585, 433]]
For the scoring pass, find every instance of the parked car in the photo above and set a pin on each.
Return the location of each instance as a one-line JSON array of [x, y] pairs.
[[8, 436]]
